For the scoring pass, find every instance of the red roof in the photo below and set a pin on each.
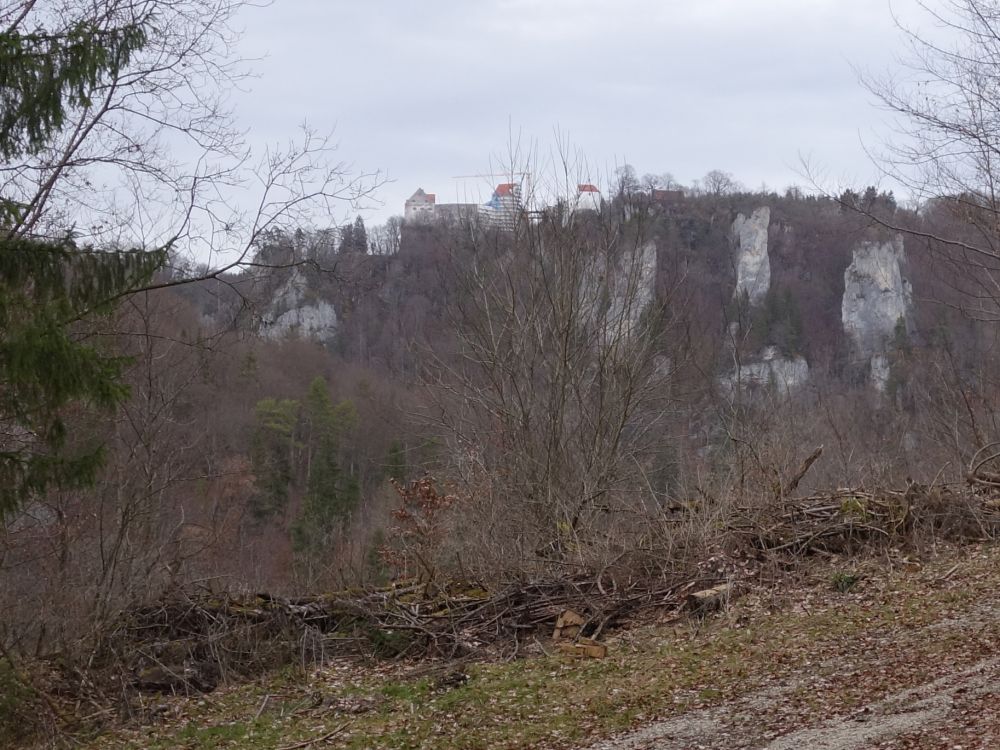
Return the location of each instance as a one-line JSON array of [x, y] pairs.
[[421, 194], [587, 189], [506, 188]]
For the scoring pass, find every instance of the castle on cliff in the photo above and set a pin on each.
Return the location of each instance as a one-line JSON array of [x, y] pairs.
[[501, 210]]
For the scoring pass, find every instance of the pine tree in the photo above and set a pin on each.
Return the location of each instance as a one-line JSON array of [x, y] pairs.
[[48, 284], [272, 455], [354, 237], [42, 76], [331, 492], [346, 239], [360, 236]]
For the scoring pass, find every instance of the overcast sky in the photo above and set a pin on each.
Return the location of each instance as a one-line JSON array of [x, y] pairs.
[[428, 90]]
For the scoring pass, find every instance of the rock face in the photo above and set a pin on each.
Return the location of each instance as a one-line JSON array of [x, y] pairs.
[[784, 373], [292, 312], [876, 298], [753, 279], [633, 287], [753, 267], [614, 296]]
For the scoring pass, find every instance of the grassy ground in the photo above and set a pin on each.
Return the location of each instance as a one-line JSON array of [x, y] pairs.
[[833, 651]]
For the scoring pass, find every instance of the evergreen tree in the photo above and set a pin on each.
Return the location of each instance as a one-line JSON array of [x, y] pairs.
[[791, 322], [331, 492], [778, 322], [46, 284], [849, 200], [43, 75], [346, 239], [901, 343], [354, 237], [272, 452], [900, 353], [360, 236]]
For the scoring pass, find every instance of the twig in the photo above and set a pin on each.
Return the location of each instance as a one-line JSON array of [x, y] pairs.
[[950, 572], [307, 743], [542, 647], [263, 704]]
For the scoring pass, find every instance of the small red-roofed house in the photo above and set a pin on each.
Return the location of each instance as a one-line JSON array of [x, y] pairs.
[[420, 206], [588, 198]]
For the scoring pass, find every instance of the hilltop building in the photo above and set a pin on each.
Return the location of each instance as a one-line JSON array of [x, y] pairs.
[[504, 207], [668, 199], [423, 207], [420, 206], [456, 213], [588, 198], [501, 210]]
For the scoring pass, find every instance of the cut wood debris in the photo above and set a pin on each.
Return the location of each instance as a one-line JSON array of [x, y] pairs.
[[191, 641], [709, 600], [568, 625], [586, 647]]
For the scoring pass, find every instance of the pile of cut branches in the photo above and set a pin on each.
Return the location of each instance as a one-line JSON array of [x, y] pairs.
[[192, 641], [845, 521]]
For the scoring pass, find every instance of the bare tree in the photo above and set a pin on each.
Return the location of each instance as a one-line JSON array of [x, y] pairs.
[[946, 151], [385, 238], [95, 550], [552, 404], [719, 183], [158, 159]]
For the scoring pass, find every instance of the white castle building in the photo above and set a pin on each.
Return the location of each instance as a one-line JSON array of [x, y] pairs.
[[420, 206], [502, 210]]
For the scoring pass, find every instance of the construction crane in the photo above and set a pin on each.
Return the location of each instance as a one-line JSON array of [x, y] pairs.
[[488, 176], [491, 175]]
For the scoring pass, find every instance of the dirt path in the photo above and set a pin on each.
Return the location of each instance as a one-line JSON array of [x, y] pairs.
[[905, 714], [955, 709]]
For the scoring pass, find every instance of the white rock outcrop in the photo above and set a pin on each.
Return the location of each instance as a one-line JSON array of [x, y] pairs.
[[291, 313], [783, 373], [879, 372], [753, 266], [876, 298], [632, 288], [615, 294]]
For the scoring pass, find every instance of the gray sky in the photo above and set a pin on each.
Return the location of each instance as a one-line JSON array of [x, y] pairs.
[[425, 91]]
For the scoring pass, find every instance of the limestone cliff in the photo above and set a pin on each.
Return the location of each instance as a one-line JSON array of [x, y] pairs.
[[631, 288], [783, 373], [294, 310], [876, 298], [753, 267], [615, 292]]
